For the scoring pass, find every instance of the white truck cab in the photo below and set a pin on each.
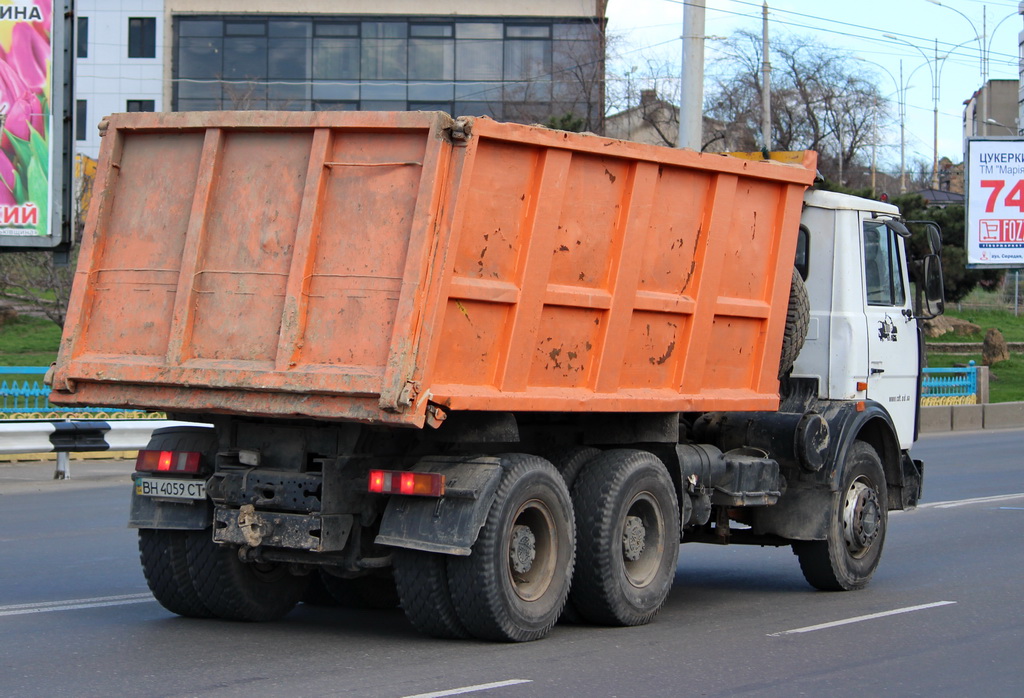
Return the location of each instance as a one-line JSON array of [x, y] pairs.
[[862, 340]]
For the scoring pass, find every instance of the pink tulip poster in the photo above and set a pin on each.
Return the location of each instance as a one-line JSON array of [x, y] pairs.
[[25, 97]]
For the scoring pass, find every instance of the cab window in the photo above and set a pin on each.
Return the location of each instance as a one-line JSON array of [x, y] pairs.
[[883, 271]]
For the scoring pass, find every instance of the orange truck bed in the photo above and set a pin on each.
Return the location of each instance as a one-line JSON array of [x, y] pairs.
[[392, 267]]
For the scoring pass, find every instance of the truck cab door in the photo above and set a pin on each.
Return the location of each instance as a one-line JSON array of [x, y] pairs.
[[891, 330]]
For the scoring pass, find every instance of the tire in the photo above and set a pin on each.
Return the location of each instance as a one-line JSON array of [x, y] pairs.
[[422, 581], [515, 583], [569, 462], [858, 520], [234, 590], [798, 319], [165, 567], [162, 551], [627, 518], [374, 590]]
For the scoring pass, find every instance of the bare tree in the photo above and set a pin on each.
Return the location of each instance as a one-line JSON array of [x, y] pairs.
[[821, 99]]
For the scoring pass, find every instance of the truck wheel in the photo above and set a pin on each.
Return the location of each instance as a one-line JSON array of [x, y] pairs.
[[849, 555], [422, 581], [627, 517], [166, 570], [516, 582], [798, 319], [569, 463], [235, 590], [162, 551]]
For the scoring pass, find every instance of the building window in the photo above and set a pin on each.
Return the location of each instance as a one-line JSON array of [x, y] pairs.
[[142, 37], [81, 111], [431, 52], [82, 38], [135, 105], [519, 69]]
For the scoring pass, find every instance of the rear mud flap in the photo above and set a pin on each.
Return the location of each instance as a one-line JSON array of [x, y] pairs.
[[452, 523]]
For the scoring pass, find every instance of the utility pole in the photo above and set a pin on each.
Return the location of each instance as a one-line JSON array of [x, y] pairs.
[[902, 95], [935, 118], [691, 92], [984, 75], [766, 83]]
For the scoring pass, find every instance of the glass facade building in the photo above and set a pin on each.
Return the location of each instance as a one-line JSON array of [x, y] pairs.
[[518, 69]]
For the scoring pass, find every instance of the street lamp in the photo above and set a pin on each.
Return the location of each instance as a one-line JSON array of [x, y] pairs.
[[985, 49], [993, 122], [936, 76]]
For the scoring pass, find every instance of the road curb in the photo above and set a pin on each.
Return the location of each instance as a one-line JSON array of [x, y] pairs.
[[993, 415]]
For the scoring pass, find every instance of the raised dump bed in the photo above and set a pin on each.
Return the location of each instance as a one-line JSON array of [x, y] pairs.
[[391, 267]]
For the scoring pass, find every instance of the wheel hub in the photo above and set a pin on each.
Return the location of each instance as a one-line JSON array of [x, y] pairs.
[[522, 549], [634, 536], [862, 518]]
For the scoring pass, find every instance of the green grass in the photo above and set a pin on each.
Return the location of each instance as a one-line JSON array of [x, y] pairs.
[[28, 341], [1006, 379], [1011, 326]]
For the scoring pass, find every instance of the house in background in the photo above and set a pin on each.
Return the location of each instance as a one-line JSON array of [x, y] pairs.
[[655, 121]]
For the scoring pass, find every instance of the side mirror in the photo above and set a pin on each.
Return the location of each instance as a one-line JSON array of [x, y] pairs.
[[932, 234], [934, 238], [898, 228], [934, 291]]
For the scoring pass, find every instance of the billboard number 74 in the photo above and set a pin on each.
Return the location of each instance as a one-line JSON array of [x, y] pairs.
[[995, 202]]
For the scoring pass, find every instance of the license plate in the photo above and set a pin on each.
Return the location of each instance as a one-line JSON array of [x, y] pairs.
[[173, 489]]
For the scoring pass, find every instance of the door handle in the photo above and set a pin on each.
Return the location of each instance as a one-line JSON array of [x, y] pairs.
[[876, 371]]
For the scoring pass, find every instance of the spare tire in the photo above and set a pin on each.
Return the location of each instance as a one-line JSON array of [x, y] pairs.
[[798, 317]]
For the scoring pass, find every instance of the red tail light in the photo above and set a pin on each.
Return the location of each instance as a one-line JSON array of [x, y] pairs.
[[399, 482], [167, 462]]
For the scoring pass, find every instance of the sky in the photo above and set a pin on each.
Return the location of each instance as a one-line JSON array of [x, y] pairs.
[[654, 27]]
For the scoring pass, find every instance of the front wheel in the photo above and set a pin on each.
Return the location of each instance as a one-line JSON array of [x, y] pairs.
[[515, 583], [849, 555]]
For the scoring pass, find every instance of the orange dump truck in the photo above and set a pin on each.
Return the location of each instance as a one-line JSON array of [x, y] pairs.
[[492, 371]]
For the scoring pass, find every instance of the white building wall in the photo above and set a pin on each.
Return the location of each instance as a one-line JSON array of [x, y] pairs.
[[107, 78]]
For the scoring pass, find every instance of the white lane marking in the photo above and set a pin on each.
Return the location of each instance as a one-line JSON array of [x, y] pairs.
[[858, 619], [965, 502], [471, 689], [73, 604]]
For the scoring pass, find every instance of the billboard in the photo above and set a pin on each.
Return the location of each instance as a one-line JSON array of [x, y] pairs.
[[34, 125], [995, 202]]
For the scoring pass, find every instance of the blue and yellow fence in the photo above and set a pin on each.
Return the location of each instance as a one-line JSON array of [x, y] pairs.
[[24, 398], [950, 386]]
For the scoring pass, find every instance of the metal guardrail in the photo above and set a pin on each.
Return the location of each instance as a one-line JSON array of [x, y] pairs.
[[950, 386], [79, 436]]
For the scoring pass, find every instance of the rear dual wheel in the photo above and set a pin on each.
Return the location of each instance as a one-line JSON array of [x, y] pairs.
[[515, 583], [165, 567], [162, 551], [627, 521], [236, 590]]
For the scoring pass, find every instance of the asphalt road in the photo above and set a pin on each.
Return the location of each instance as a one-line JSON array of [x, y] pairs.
[[944, 615]]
